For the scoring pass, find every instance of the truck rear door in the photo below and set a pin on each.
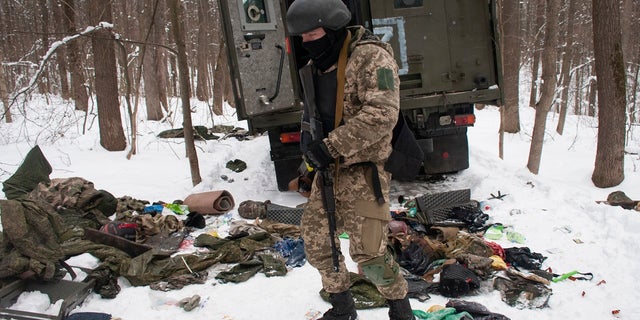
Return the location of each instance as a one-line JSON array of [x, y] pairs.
[[259, 63]]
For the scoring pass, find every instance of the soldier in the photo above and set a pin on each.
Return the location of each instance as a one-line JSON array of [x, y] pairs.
[[352, 153]]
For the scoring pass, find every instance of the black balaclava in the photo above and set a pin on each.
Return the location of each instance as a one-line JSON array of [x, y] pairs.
[[325, 51]]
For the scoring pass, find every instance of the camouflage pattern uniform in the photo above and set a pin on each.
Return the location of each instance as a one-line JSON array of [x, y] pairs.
[[371, 104]]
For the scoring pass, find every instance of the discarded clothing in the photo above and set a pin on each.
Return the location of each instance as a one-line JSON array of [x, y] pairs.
[[365, 294], [292, 250], [521, 293], [179, 281], [475, 309], [241, 272], [523, 258]]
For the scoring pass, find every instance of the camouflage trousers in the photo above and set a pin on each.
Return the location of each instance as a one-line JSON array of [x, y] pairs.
[[361, 217]]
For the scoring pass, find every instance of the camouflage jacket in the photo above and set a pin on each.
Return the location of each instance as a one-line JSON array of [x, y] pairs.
[[371, 101]]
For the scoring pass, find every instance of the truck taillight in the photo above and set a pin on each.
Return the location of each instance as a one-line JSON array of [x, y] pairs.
[[464, 120], [287, 45], [290, 137]]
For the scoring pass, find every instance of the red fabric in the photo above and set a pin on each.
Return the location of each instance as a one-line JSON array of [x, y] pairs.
[[497, 249]]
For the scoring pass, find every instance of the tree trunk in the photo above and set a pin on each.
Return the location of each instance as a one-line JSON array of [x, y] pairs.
[[593, 94], [43, 84], [222, 75], [218, 81], [106, 81], [61, 52], [633, 106], [629, 35], [635, 80], [511, 56], [173, 76], [74, 53], [177, 24], [577, 97], [132, 112], [547, 96], [533, 94], [204, 47], [5, 22], [4, 93], [607, 40], [228, 85], [539, 21], [565, 74], [153, 61]]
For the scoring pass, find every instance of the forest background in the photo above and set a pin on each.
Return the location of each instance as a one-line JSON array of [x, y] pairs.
[[581, 57]]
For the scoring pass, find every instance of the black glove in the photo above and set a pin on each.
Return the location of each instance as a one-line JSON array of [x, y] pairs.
[[318, 155]]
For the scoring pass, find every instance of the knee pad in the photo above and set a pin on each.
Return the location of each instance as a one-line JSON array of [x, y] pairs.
[[382, 271]]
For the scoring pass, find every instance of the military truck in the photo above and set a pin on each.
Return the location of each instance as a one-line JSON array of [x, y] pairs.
[[447, 53]]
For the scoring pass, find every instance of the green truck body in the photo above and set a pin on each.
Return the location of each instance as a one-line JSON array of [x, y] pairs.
[[447, 53]]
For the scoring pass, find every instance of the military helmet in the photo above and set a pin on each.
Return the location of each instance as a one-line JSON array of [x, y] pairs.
[[306, 15]]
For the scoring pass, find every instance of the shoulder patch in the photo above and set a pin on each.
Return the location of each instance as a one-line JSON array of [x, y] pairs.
[[385, 79]]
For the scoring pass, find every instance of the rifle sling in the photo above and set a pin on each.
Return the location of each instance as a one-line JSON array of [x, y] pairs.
[[342, 65]]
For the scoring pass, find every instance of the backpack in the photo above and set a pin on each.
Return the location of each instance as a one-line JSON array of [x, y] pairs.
[[457, 280], [406, 156]]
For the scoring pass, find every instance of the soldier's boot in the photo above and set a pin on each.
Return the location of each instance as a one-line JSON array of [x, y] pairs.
[[343, 307], [400, 309]]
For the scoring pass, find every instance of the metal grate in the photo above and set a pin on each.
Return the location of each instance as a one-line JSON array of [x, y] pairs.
[[284, 214], [437, 207]]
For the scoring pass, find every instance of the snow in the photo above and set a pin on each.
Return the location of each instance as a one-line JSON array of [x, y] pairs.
[[37, 302], [555, 211]]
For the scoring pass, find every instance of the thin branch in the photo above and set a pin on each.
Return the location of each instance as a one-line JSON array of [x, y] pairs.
[[50, 53]]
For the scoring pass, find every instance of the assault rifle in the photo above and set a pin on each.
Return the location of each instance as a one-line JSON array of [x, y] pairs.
[[314, 127], [329, 203]]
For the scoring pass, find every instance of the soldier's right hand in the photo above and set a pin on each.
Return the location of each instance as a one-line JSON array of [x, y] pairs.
[[318, 155]]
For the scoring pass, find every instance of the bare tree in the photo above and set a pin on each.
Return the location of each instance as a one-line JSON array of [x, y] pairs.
[[547, 96], [154, 65], [177, 24], [607, 40], [228, 85], [222, 86], [4, 93], [204, 47], [537, 43], [218, 80], [106, 80], [61, 60], [565, 74], [633, 105], [593, 94], [43, 23], [510, 114], [74, 53], [631, 51]]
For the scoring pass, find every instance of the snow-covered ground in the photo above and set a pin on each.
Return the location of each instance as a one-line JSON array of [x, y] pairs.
[[555, 210]]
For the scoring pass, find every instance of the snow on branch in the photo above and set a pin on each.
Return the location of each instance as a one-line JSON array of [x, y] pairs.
[[52, 50]]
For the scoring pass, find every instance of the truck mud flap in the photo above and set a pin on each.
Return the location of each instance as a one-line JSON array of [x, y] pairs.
[[450, 153], [286, 171], [437, 208]]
